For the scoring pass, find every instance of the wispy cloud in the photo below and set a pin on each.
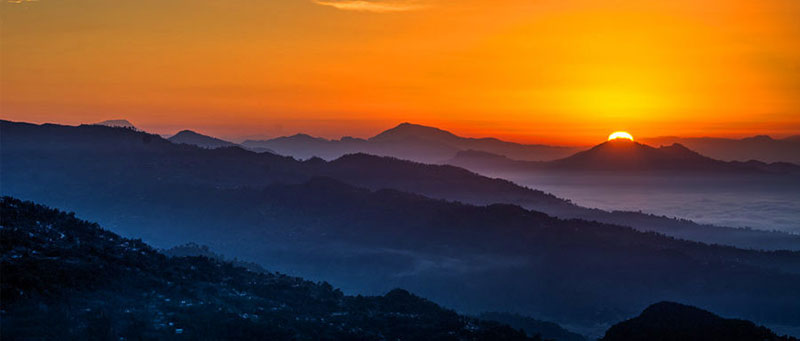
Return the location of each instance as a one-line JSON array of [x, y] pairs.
[[21, 1], [380, 6]]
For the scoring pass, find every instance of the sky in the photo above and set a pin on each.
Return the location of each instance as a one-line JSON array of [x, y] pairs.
[[538, 71]]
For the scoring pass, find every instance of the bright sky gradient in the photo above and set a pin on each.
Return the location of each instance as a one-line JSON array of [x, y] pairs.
[[551, 71]]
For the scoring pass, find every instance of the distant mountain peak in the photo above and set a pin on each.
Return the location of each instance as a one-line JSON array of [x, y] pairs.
[[117, 123], [624, 145], [304, 136], [618, 145], [764, 138], [186, 133], [622, 154], [187, 136], [410, 130]]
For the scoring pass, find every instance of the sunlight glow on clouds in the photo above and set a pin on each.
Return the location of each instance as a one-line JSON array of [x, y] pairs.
[[381, 6]]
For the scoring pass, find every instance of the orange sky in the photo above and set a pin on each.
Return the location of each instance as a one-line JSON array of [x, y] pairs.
[[553, 71]]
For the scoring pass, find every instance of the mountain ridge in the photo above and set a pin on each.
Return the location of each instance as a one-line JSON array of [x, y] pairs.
[[234, 167], [364, 231], [621, 156], [760, 147], [407, 141], [200, 140], [117, 123]]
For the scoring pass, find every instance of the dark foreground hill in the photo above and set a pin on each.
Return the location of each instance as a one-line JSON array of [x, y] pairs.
[[667, 321], [42, 161], [533, 327], [64, 278]]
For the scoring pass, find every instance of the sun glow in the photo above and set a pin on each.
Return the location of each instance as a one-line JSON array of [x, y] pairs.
[[620, 135], [549, 71]]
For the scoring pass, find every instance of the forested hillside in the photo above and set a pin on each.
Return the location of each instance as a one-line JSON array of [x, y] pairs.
[[83, 282]]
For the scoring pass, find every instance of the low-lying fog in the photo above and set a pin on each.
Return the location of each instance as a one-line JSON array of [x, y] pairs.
[[738, 201]]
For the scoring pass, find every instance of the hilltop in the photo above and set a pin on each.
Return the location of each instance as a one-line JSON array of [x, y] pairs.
[[200, 140], [118, 123], [669, 321]]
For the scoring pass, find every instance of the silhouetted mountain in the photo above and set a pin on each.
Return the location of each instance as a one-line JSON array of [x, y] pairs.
[[406, 141], [117, 124], [762, 148], [533, 327], [405, 131], [621, 156], [47, 158], [83, 282], [276, 211], [303, 146], [624, 155], [200, 140], [667, 321]]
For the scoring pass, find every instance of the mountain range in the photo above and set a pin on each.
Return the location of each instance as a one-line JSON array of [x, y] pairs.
[[57, 153], [405, 141], [761, 147], [433, 145], [367, 224], [621, 156]]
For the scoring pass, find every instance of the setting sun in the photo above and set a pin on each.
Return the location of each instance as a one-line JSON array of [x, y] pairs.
[[620, 135]]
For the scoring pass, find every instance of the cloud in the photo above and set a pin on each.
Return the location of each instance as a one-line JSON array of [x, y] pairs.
[[21, 1], [380, 6]]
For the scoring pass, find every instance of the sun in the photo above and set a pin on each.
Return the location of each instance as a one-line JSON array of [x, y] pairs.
[[620, 135]]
